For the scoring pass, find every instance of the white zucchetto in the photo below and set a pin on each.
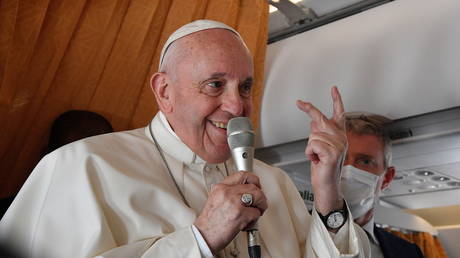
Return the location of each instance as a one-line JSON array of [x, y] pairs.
[[190, 28]]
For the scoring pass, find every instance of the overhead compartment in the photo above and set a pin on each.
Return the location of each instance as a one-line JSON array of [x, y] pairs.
[[399, 59]]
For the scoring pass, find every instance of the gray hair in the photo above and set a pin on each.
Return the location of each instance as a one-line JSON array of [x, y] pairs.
[[373, 124]]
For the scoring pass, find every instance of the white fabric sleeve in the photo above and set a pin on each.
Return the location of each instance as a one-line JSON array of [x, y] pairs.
[[349, 241], [42, 222], [180, 243], [340, 238], [204, 248]]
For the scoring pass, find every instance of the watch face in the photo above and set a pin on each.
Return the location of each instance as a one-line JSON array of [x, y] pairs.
[[335, 220]]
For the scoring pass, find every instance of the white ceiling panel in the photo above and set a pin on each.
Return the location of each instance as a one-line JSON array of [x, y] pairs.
[[451, 169]]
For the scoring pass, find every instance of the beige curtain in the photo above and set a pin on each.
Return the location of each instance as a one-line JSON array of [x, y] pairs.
[[98, 55], [430, 245]]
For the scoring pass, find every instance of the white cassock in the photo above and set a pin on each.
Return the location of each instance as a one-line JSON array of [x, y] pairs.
[[112, 196]]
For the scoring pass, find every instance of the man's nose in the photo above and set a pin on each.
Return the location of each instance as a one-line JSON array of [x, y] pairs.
[[233, 103]]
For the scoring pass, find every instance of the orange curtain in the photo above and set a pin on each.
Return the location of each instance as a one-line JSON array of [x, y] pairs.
[[430, 245], [97, 55]]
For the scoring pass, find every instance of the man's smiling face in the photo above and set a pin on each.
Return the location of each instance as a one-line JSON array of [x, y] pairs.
[[211, 76]]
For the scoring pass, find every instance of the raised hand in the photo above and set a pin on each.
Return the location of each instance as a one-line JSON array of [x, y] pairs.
[[326, 148], [224, 215]]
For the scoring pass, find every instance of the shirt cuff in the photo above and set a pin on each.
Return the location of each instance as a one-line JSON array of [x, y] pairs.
[[204, 248], [344, 243], [340, 238]]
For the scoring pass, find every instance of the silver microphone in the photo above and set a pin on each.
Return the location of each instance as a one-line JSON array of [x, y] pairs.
[[240, 137]]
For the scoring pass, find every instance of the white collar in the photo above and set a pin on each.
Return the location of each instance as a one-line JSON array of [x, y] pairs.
[[166, 124], [170, 143]]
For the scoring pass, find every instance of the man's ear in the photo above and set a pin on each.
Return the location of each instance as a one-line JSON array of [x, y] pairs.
[[162, 91], [388, 177]]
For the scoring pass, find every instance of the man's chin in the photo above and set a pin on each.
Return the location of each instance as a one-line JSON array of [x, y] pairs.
[[364, 219]]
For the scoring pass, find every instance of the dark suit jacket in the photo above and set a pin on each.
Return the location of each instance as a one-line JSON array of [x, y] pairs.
[[395, 247]]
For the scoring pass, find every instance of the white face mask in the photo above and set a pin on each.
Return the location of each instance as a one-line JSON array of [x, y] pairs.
[[359, 188]]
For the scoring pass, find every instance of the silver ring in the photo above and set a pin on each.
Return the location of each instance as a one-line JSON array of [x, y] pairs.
[[246, 199]]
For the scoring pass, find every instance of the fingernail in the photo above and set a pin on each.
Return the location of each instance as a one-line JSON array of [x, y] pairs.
[[334, 91], [298, 103]]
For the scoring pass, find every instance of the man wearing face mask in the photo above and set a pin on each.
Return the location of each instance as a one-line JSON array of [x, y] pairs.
[[366, 172]]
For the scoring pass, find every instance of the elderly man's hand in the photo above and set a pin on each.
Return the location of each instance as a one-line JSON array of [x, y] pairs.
[[224, 215], [326, 148]]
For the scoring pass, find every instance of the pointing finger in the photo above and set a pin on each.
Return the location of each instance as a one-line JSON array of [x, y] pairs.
[[337, 104], [311, 110]]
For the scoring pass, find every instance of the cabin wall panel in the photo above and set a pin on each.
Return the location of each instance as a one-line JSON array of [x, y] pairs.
[[57, 55]]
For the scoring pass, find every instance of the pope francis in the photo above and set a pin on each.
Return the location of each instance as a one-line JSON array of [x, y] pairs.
[[171, 189]]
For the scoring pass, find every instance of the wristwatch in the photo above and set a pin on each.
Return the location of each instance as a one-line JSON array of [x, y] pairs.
[[336, 218]]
